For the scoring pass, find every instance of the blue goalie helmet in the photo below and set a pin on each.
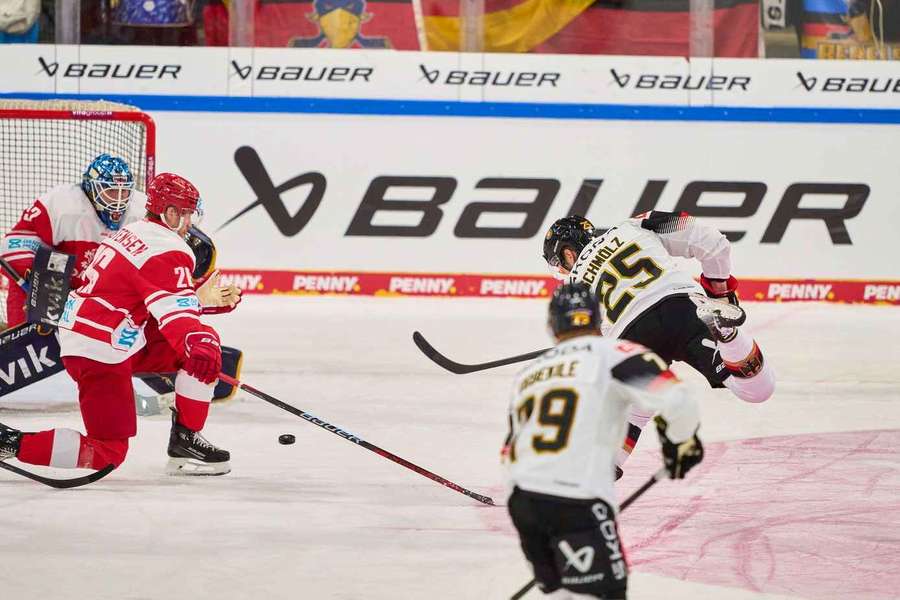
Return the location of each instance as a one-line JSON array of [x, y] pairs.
[[108, 184]]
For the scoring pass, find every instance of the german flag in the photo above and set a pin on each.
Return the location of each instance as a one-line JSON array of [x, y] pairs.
[[624, 27]]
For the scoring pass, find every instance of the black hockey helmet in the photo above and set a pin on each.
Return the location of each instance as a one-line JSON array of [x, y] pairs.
[[573, 307], [573, 232]]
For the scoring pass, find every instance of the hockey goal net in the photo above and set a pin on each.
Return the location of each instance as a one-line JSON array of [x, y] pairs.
[[45, 143]]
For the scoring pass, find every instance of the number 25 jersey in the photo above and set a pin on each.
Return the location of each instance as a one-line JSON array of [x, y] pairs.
[[632, 267]]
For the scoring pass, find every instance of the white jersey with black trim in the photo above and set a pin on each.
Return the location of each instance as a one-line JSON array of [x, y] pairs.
[[569, 410], [631, 266]]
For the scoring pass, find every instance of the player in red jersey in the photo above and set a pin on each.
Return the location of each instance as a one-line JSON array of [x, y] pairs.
[[138, 311], [73, 219]]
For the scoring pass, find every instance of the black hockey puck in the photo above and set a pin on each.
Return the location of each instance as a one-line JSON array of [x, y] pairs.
[[286, 438]]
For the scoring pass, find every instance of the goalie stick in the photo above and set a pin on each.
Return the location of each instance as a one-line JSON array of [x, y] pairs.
[[460, 368], [61, 484], [354, 439], [661, 474], [14, 275]]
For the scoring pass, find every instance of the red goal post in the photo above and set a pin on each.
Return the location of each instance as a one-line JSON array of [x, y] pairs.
[[45, 143]]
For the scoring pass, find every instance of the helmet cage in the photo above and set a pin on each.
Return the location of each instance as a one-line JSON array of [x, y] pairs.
[[108, 184]]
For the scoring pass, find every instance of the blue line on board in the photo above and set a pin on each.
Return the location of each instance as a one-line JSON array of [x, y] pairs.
[[440, 108]]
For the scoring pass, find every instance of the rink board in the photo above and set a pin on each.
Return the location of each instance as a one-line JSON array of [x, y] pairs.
[[406, 173]]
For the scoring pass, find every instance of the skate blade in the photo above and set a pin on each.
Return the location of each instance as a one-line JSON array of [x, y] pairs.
[[194, 468], [731, 315]]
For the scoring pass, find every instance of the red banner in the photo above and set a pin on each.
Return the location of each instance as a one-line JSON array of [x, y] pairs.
[[349, 283]]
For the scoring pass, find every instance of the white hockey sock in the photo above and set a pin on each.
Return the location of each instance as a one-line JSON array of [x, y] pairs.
[[738, 349]]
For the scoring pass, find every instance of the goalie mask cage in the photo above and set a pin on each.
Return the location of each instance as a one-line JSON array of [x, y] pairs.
[[46, 143]]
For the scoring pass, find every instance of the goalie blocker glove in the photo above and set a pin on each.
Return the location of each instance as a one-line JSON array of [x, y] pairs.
[[681, 457]]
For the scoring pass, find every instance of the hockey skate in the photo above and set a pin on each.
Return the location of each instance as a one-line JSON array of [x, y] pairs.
[[191, 454], [9, 441], [720, 317]]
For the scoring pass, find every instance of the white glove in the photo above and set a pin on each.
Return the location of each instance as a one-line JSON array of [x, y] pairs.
[[215, 298]]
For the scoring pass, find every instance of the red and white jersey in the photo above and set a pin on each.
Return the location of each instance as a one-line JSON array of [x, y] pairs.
[[64, 219], [143, 270], [631, 266], [569, 410]]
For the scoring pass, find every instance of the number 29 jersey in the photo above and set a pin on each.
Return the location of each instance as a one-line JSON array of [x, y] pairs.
[[569, 409], [632, 267]]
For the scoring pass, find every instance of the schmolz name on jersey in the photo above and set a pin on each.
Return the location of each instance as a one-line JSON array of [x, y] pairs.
[[130, 242], [488, 78], [599, 259], [113, 71], [653, 81], [300, 72]]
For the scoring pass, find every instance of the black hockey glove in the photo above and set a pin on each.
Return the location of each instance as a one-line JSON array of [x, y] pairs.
[[678, 458]]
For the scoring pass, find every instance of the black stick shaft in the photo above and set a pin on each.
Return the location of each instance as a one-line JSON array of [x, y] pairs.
[[461, 368], [661, 474], [355, 439], [14, 275]]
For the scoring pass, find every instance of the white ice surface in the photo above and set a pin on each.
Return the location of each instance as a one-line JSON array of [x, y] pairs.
[[324, 518]]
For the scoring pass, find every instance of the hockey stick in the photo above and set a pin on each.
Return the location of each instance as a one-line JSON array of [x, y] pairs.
[[661, 474], [354, 439], [460, 368], [61, 484], [14, 275]]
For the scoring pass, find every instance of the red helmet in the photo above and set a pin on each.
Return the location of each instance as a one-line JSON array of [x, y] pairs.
[[168, 189]]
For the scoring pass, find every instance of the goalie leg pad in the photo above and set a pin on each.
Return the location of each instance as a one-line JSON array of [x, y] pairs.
[[232, 360], [28, 354]]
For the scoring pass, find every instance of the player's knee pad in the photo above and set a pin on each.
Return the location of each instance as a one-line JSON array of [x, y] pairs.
[[592, 561]]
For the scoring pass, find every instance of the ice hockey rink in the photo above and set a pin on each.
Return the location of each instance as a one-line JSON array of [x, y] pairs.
[[797, 498]]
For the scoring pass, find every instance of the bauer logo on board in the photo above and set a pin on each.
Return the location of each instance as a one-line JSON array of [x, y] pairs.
[[872, 85], [661, 81], [306, 73], [78, 70], [489, 78]]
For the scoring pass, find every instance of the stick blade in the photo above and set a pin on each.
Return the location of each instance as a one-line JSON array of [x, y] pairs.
[[438, 358], [60, 484]]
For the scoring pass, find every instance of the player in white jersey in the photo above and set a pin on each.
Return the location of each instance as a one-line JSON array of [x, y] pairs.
[[73, 219], [647, 298], [568, 418]]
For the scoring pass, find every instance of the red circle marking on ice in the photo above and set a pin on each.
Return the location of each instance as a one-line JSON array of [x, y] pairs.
[[817, 516]]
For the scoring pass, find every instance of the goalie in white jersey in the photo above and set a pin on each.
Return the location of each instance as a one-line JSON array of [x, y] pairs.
[[568, 419], [646, 298]]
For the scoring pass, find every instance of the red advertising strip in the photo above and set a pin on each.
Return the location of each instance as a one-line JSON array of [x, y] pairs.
[[524, 286]]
